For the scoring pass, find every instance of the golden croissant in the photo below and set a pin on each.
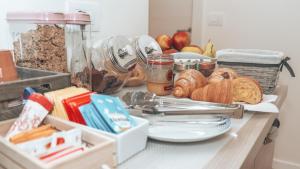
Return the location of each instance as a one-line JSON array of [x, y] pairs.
[[188, 81], [221, 92]]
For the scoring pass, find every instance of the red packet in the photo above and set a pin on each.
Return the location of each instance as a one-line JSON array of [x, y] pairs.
[[72, 105]]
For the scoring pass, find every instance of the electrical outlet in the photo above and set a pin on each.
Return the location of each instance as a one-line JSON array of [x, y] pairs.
[[92, 7], [215, 19]]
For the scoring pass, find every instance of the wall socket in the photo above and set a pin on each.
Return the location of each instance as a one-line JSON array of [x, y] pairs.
[[92, 7], [215, 19]]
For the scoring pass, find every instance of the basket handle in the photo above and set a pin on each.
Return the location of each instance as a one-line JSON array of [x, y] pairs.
[[285, 63]]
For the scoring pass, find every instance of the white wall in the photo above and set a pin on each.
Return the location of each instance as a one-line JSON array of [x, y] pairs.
[[164, 17], [126, 17], [265, 24]]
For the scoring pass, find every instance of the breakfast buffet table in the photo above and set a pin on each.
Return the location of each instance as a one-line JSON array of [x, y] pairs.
[[248, 146]]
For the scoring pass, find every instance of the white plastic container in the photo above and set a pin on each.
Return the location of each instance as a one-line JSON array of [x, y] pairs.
[[129, 142]]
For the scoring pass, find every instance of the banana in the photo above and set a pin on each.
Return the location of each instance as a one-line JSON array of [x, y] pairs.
[[210, 50]]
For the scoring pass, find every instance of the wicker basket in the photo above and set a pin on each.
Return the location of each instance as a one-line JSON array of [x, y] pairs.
[[261, 65]]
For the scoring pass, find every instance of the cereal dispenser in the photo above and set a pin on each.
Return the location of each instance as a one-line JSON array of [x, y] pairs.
[[39, 40]]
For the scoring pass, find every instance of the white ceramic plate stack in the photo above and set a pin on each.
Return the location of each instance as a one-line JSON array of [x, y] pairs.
[[182, 129]]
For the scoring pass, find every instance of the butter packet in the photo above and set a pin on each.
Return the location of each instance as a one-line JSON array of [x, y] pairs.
[[113, 112]]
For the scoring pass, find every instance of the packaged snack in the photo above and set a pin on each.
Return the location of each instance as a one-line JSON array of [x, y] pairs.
[[72, 105], [61, 153], [113, 112], [35, 110], [58, 141], [33, 134], [58, 96], [94, 118]]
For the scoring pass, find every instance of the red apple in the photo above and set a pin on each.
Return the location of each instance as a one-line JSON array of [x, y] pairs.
[[164, 41], [170, 51], [181, 40]]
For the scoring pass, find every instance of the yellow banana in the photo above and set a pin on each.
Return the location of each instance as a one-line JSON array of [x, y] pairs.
[[210, 50]]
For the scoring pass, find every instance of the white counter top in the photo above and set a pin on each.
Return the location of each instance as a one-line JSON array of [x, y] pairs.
[[161, 155], [229, 151]]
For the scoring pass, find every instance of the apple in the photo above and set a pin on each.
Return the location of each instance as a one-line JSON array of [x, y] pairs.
[[170, 51], [164, 41], [193, 48], [181, 40]]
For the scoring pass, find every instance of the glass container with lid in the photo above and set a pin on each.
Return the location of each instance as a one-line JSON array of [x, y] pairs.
[[38, 40], [181, 66], [160, 74], [112, 58], [143, 47], [78, 37]]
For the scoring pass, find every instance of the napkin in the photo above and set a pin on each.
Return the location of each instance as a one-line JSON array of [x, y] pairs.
[[267, 105]]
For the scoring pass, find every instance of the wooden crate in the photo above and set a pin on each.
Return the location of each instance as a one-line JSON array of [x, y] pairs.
[[101, 152], [43, 81]]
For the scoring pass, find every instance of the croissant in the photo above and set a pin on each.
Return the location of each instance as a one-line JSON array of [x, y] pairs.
[[247, 90], [221, 74], [187, 82], [221, 92]]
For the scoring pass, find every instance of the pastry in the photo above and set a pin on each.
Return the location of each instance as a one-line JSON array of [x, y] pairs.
[[221, 74], [187, 82], [246, 89], [221, 92]]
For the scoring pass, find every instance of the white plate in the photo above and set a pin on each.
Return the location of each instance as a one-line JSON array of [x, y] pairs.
[[183, 133]]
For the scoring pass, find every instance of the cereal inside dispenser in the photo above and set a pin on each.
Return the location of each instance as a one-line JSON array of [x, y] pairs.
[[39, 40]]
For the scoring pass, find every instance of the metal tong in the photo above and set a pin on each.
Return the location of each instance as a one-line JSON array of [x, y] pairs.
[[149, 103]]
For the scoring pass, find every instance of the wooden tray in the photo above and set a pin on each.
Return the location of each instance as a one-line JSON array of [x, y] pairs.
[[101, 152]]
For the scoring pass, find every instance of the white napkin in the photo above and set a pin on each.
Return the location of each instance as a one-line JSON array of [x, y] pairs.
[[267, 105]]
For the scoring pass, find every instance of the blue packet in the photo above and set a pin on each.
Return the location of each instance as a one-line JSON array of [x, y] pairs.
[[98, 120], [93, 119], [113, 112], [85, 112]]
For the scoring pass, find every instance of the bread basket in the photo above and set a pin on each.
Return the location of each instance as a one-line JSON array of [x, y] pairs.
[[262, 65]]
